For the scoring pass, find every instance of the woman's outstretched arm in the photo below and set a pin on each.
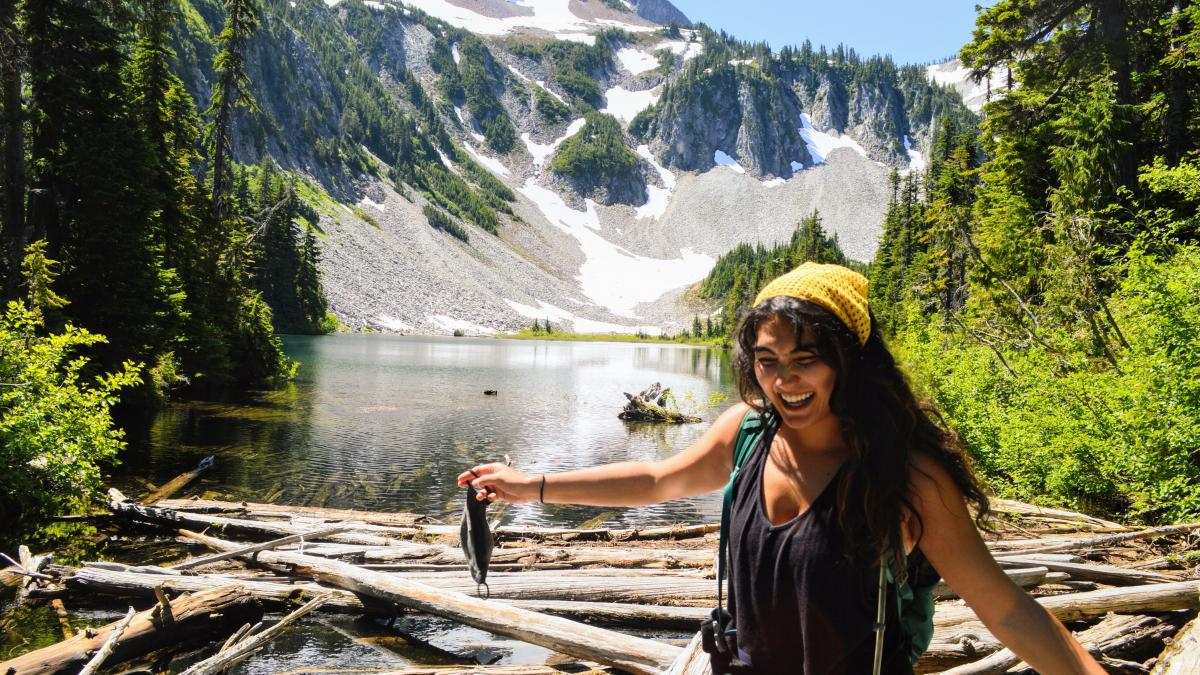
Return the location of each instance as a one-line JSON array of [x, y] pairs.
[[952, 544], [703, 467]]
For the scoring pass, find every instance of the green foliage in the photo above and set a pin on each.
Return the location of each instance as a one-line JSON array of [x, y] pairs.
[[739, 275], [443, 221], [39, 274], [1119, 440], [55, 426], [575, 66], [551, 109], [597, 153]]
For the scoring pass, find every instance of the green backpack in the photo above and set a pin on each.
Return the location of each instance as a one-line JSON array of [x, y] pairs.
[[914, 597]]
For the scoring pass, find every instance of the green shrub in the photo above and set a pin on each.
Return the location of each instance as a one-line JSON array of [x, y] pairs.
[[55, 426], [550, 108], [597, 152], [1120, 441], [443, 221]]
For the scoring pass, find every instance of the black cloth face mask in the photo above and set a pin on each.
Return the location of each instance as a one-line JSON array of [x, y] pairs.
[[475, 535]]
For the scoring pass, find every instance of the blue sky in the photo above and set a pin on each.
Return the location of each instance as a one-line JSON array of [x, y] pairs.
[[912, 31]]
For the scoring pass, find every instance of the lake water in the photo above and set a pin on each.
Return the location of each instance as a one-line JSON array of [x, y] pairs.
[[387, 423]]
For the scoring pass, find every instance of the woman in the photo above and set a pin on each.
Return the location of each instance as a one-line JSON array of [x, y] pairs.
[[849, 463]]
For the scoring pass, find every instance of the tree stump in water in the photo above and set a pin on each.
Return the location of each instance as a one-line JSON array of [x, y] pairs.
[[651, 406]]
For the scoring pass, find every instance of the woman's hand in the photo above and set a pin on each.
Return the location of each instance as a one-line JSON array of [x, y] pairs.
[[499, 481]]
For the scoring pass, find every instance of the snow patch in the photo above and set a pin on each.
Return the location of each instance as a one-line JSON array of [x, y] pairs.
[[916, 162], [625, 105], [774, 182], [392, 323], [451, 324], [445, 160], [611, 276], [820, 144], [541, 152], [636, 61], [455, 53], [725, 160], [366, 201], [657, 200], [687, 49], [490, 163], [576, 37], [458, 112]]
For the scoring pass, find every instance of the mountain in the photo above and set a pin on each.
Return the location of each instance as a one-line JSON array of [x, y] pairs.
[[478, 164]]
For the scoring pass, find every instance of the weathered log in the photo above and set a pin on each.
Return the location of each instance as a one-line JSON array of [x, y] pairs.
[[574, 556], [618, 614], [1024, 577], [1105, 574], [64, 619], [692, 661], [273, 594], [651, 406], [261, 510], [106, 649], [239, 650], [219, 610], [1023, 509], [1115, 632], [1094, 604], [636, 655], [1075, 544], [275, 543], [381, 535], [179, 482], [1182, 656]]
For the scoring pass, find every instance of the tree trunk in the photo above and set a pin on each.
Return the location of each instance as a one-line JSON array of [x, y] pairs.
[[219, 610], [12, 115]]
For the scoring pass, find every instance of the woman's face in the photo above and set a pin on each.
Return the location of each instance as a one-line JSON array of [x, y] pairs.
[[798, 383]]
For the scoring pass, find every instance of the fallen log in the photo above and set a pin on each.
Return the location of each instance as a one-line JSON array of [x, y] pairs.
[[219, 610], [276, 510], [575, 556], [1105, 574], [381, 535], [618, 614], [235, 651], [636, 655], [692, 661], [275, 543], [1182, 656], [651, 405], [179, 482], [1114, 633], [1023, 509], [106, 649], [1075, 544], [273, 594], [1095, 604]]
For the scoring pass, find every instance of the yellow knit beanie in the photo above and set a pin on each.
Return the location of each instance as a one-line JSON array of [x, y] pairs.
[[833, 287]]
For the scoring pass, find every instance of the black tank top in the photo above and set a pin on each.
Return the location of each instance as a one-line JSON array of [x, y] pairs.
[[800, 606]]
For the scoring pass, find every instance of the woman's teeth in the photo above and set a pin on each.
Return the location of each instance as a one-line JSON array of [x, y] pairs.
[[797, 401]]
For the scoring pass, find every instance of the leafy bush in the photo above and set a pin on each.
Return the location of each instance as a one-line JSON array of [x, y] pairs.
[[55, 426], [1121, 441]]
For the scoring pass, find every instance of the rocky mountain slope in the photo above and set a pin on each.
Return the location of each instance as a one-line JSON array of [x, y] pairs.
[[578, 161]]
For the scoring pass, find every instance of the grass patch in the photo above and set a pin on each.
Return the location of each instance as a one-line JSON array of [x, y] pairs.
[[530, 334]]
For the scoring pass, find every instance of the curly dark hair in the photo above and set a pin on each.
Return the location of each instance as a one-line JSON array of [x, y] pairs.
[[882, 422]]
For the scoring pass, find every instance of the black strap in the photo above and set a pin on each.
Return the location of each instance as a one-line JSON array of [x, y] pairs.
[[744, 447]]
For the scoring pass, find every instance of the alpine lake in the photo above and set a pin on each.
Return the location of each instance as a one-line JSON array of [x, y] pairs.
[[386, 423]]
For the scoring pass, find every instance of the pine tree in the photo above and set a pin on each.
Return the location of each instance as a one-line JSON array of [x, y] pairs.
[[697, 329], [12, 123], [231, 90]]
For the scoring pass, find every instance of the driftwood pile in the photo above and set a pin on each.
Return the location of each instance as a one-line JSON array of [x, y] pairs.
[[653, 404], [1129, 595]]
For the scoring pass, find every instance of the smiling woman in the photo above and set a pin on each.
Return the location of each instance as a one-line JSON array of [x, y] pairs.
[[847, 488]]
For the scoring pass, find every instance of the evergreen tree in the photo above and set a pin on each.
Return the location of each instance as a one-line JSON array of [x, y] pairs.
[[12, 137], [231, 90], [697, 329]]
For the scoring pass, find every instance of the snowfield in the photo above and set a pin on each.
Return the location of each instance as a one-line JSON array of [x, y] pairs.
[[552, 16], [625, 105], [612, 276], [820, 144], [723, 159], [636, 61]]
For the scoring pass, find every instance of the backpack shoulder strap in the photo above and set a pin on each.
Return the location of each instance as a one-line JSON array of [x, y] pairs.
[[753, 425]]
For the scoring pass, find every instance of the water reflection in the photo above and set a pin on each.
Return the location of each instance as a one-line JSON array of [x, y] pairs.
[[387, 422]]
